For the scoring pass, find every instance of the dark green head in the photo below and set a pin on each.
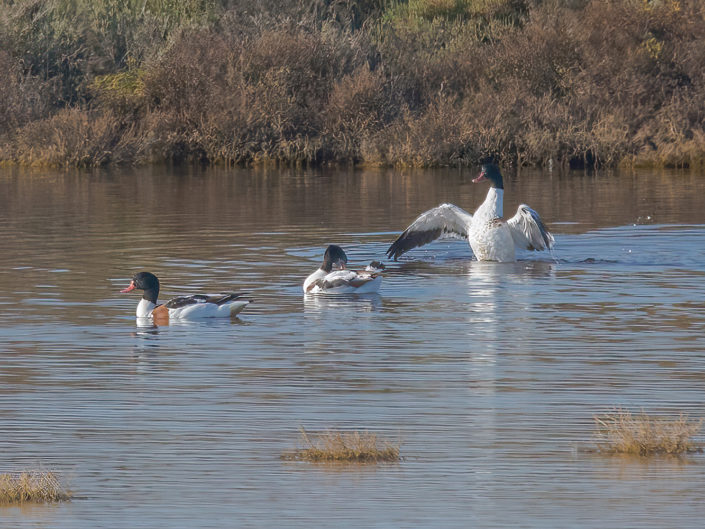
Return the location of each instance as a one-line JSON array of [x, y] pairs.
[[334, 258], [147, 282], [490, 172]]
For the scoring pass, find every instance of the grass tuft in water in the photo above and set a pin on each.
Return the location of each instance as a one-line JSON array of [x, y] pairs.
[[620, 432], [32, 487], [344, 447]]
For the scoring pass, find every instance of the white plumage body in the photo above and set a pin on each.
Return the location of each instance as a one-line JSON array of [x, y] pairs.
[[196, 311], [342, 282], [488, 236], [208, 310], [492, 242]]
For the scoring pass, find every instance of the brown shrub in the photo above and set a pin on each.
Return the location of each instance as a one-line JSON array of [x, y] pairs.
[[359, 105], [421, 83], [249, 96], [577, 85], [75, 138], [23, 97], [675, 136], [635, 59], [438, 136], [581, 86], [437, 57]]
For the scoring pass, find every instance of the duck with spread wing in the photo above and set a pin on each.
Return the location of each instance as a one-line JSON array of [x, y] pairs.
[[490, 237]]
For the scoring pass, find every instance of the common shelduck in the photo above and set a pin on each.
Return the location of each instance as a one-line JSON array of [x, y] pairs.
[[490, 237], [332, 277], [194, 307]]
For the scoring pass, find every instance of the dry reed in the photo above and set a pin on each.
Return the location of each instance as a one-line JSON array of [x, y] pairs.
[[344, 447], [32, 486], [620, 432], [413, 83]]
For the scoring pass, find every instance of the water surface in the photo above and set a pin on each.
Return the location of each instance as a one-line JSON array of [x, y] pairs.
[[489, 374]]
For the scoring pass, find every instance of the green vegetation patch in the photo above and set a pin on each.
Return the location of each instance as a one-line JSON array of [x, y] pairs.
[[334, 446], [620, 432], [121, 91]]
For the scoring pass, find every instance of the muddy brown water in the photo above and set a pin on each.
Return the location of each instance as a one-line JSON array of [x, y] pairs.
[[489, 374]]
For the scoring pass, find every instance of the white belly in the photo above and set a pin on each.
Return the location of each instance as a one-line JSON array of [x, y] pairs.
[[492, 242], [207, 310]]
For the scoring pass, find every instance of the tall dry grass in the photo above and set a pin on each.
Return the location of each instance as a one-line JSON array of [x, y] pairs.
[[334, 446], [34, 487], [23, 97], [620, 432], [75, 138]]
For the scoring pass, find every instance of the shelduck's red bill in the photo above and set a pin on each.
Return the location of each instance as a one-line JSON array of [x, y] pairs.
[[479, 178], [130, 288]]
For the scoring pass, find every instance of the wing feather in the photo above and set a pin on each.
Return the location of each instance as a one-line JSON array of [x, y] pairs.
[[345, 278], [446, 221], [185, 301], [528, 230]]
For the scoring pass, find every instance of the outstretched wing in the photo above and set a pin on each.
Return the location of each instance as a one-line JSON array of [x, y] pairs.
[[185, 301], [528, 230], [444, 222]]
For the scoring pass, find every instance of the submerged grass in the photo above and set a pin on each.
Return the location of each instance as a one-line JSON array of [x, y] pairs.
[[32, 487], [344, 447], [620, 432]]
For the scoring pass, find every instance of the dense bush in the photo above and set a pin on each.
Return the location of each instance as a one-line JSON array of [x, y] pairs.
[[23, 97], [417, 82]]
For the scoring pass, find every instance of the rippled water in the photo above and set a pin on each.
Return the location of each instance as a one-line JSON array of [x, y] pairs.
[[489, 374]]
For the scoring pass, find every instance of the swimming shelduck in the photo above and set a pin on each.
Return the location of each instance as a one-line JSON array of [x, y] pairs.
[[194, 307], [490, 238], [332, 277]]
